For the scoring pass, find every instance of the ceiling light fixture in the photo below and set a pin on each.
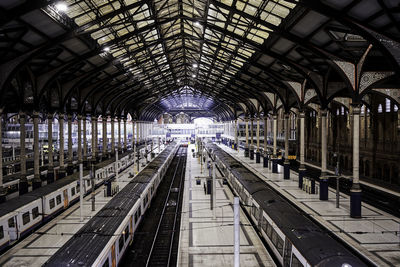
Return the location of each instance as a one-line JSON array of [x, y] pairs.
[[106, 49], [178, 80], [194, 75], [197, 24], [61, 6], [195, 65]]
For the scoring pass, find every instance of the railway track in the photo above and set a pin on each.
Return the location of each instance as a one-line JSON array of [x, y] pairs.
[[156, 241]]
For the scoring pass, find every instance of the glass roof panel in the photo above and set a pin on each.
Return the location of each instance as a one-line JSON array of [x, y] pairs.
[[160, 41]]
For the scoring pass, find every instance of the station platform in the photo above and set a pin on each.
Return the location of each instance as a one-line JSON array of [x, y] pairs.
[[205, 241], [376, 235], [38, 247]]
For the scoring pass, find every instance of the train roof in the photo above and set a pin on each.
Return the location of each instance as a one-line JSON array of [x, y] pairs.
[[87, 244], [18, 202], [314, 243], [318, 247]]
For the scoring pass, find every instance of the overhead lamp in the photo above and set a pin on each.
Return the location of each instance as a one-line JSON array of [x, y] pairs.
[[197, 24], [61, 6], [194, 75], [178, 80], [195, 65], [106, 49]]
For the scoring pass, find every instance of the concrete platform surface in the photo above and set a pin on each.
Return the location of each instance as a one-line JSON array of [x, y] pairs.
[[205, 241]]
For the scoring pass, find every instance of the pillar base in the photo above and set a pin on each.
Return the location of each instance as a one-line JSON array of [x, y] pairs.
[[3, 194], [85, 164], [302, 173], [70, 169], [50, 175], [265, 161], [251, 153], [286, 170], [37, 183], [246, 152], [323, 188], [108, 188], [355, 203], [258, 157], [61, 173], [274, 165], [23, 187]]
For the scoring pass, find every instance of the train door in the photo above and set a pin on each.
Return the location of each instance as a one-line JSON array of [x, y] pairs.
[[113, 258], [13, 228], [287, 253], [66, 198], [131, 233]]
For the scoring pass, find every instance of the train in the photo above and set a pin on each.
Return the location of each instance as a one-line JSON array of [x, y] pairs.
[[103, 240], [22, 215], [294, 239]]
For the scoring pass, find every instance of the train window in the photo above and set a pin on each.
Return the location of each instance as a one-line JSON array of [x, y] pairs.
[[78, 189], [1, 232], [269, 230], [279, 245], [52, 203], [264, 224], [106, 263], [121, 244], [274, 237], [58, 199], [254, 211], [11, 222], [35, 213], [26, 218], [126, 232], [73, 191], [296, 262]]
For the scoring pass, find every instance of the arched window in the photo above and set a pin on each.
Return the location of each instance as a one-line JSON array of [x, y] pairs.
[[395, 108], [342, 110], [380, 108], [387, 105], [337, 112]]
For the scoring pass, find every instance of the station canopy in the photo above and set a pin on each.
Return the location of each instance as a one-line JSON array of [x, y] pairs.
[[146, 57]]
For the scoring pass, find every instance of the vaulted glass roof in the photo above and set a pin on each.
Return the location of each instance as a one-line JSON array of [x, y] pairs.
[[232, 56], [168, 44]]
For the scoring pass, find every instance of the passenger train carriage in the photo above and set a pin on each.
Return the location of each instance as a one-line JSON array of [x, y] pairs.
[[104, 239], [20, 216], [294, 239]]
